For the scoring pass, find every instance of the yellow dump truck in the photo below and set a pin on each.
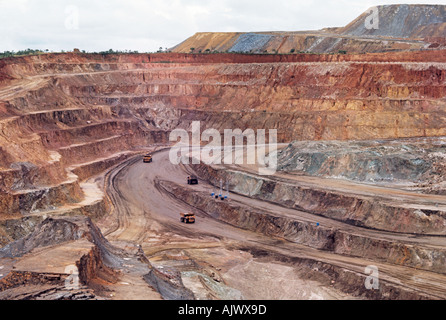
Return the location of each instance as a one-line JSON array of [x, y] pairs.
[[187, 217], [147, 158]]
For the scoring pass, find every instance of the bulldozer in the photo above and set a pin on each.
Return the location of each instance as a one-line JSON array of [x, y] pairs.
[[187, 217], [147, 158]]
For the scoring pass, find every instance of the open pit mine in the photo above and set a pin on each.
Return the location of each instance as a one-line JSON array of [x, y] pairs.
[[90, 203]]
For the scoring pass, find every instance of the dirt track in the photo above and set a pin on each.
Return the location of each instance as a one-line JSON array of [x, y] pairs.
[[145, 214]]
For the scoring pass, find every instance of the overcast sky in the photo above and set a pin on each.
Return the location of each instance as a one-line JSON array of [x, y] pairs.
[[147, 25]]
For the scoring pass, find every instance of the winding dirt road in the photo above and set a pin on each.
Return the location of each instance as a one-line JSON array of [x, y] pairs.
[[147, 215]]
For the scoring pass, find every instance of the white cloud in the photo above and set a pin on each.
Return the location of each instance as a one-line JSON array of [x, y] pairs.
[[147, 25]]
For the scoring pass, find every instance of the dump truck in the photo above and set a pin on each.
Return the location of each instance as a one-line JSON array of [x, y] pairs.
[[187, 217], [147, 158], [192, 180]]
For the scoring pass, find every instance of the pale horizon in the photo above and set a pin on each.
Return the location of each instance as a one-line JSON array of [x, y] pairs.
[[145, 26]]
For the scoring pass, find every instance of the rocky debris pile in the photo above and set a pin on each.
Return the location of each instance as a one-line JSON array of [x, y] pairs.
[[168, 282], [50, 232], [248, 41], [398, 21], [392, 28], [406, 161], [22, 285]]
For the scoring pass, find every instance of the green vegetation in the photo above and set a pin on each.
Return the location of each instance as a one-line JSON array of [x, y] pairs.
[[29, 52], [111, 51], [26, 52]]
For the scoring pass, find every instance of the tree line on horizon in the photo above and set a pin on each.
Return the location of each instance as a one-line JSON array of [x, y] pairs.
[[27, 52]]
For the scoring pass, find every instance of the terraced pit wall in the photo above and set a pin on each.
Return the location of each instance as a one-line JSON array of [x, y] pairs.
[[309, 233], [67, 117]]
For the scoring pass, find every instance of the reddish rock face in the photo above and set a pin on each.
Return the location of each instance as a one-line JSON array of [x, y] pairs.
[[65, 118], [84, 110]]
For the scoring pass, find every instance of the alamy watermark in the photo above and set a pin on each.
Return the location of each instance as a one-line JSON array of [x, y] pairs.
[[229, 149], [72, 17], [72, 281], [372, 20], [372, 280]]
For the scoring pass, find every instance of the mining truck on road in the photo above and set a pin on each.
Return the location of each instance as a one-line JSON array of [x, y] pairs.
[[192, 180], [147, 158], [187, 217]]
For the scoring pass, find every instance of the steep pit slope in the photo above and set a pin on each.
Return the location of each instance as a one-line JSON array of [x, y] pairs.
[[67, 117], [401, 27]]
